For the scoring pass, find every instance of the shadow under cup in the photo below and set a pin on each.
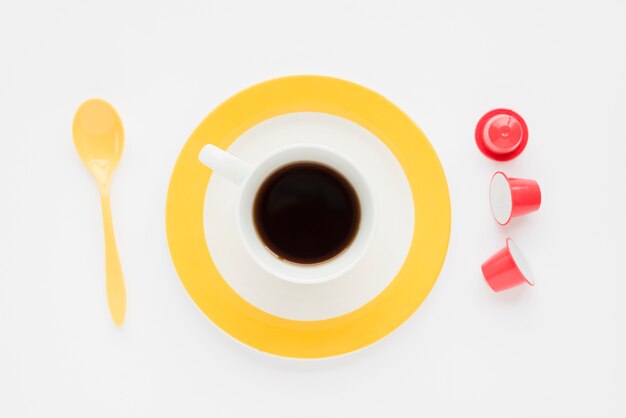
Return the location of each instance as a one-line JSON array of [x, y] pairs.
[[306, 214]]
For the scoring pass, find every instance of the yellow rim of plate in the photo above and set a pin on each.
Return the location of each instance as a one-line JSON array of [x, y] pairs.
[[339, 335]]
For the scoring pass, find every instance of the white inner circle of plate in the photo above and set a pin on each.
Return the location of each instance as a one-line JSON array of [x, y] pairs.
[[392, 233], [500, 198]]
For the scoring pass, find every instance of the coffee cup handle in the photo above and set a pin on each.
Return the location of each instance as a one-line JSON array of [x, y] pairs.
[[224, 163]]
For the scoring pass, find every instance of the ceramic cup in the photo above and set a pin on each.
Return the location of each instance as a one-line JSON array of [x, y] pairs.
[[250, 178]]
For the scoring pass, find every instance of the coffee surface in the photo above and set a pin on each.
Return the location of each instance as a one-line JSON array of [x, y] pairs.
[[306, 213]]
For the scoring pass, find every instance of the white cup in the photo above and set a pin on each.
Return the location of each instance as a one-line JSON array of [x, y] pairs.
[[251, 178]]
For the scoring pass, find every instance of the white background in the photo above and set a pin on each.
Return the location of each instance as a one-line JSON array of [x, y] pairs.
[[553, 350]]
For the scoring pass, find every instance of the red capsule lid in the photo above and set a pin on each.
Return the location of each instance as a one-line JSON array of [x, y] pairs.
[[501, 134]]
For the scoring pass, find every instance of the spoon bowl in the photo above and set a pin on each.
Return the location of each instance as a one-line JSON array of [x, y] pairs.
[[99, 138]]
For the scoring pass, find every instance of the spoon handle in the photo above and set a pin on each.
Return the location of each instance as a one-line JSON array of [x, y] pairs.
[[116, 290]]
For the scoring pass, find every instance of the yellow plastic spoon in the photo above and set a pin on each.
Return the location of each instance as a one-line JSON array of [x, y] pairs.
[[99, 139]]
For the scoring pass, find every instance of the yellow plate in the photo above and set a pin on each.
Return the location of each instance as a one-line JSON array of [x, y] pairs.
[[346, 333]]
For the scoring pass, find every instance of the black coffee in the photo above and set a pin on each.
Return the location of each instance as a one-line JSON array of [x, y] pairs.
[[306, 213]]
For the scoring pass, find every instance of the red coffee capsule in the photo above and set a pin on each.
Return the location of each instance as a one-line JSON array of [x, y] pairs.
[[511, 197], [501, 134], [507, 268]]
